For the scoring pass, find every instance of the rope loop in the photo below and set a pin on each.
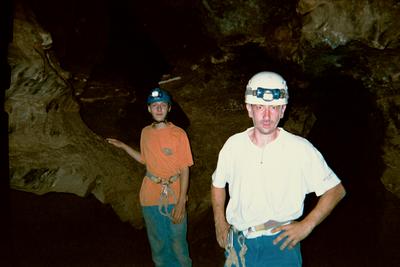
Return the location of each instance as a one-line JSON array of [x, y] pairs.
[[166, 191], [232, 258], [163, 204]]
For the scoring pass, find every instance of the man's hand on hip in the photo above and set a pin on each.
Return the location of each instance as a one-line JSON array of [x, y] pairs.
[[293, 232]]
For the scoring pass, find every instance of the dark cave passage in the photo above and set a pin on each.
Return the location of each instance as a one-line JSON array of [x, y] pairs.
[[348, 132]]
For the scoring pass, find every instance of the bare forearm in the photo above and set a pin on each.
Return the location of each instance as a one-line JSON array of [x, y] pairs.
[[178, 212], [325, 205], [218, 197], [297, 231], [133, 153], [184, 186]]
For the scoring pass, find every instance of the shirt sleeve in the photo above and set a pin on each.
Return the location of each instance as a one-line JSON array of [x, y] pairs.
[[319, 176], [221, 172]]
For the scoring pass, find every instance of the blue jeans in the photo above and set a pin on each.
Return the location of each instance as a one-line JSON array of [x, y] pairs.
[[262, 252], [169, 247]]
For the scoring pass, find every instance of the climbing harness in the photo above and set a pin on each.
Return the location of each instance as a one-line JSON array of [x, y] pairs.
[[231, 255], [166, 191], [232, 258]]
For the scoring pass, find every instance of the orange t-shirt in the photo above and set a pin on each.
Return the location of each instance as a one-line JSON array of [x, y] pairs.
[[164, 152]]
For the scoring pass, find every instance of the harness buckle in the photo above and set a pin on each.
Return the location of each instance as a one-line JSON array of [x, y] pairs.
[[251, 229], [164, 191], [267, 226]]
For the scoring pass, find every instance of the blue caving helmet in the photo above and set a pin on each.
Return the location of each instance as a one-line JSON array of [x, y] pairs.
[[158, 95]]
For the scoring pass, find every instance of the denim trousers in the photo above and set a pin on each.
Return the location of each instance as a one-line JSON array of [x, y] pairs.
[[262, 252], [169, 247]]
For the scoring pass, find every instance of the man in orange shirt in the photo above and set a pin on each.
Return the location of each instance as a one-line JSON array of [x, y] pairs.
[[165, 150]]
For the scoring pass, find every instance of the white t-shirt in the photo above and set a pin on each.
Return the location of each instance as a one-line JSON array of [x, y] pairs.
[[270, 183]]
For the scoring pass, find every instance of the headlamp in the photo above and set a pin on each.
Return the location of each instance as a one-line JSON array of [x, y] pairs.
[[268, 94], [156, 94]]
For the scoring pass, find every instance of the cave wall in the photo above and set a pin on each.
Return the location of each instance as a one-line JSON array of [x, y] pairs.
[[51, 149], [358, 39]]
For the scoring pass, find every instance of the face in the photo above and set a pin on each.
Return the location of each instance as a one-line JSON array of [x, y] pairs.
[[159, 110], [265, 117]]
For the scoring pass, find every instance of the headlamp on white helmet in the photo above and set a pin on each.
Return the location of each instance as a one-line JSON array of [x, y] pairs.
[[267, 88]]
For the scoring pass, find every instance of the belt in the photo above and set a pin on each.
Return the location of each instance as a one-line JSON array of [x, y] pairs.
[[269, 225], [266, 228], [159, 180]]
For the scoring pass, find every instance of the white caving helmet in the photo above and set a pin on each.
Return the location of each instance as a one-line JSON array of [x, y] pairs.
[[267, 88]]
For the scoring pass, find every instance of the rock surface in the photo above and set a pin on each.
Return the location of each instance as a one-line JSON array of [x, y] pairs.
[[53, 150]]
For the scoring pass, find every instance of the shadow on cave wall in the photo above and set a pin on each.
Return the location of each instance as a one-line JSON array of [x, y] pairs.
[[349, 133]]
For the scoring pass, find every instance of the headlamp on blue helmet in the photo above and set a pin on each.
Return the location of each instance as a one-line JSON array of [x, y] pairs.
[[158, 95]]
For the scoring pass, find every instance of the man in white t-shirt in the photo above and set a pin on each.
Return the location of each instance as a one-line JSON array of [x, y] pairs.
[[269, 171]]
